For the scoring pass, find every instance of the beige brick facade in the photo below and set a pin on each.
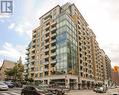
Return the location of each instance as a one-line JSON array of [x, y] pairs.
[[64, 45]]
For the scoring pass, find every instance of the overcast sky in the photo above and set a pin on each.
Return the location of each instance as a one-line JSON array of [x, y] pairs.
[[15, 29]]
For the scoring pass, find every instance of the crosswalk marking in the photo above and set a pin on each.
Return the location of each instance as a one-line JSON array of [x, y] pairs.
[[9, 93]]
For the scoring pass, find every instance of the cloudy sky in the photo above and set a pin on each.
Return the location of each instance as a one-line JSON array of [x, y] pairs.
[[16, 28]]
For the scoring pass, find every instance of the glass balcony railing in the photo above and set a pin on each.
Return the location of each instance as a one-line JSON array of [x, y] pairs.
[[27, 58], [27, 52]]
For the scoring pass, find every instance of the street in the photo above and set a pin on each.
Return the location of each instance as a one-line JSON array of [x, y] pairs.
[[12, 91], [91, 92], [115, 91]]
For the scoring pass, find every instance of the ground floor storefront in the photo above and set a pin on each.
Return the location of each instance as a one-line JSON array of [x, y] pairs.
[[69, 81], [86, 85]]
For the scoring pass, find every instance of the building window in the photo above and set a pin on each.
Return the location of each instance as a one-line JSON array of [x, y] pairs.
[[81, 74]]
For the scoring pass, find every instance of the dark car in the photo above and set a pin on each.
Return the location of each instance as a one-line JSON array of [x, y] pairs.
[[31, 90], [9, 84]]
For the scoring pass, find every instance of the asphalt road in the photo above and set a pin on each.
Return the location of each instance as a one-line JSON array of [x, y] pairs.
[[11, 91], [17, 91], [91, 92]]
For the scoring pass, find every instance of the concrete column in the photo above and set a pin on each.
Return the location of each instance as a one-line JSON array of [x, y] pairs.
[[76, 87], [48, 81], [67, 83], [85, 85]]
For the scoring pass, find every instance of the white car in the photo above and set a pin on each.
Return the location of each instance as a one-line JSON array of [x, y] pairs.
[[3, 86]]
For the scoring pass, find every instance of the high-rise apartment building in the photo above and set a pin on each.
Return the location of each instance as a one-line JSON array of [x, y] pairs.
[[64, 50]]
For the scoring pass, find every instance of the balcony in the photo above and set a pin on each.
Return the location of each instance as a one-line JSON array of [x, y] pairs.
[[33, 49], [45, 20], [32, 69], [53, 41], [54, 47], [33, 41], [27, 52], [53, 23], [34, 38], [27, 48], [53, 61], [46, 32], [33, 45], [46, 49], [33, 55], [53, 29], [46, 56], [26, 63], [34, 33], [33, 60], [25, 67], [32, 74], [32, 65], [46, 41], [46, 38], [46, 63], [27, 58], [33, 52], [46, 44], [45, 69], [53, 54], [41, 71], [53, 35], [47, 26]]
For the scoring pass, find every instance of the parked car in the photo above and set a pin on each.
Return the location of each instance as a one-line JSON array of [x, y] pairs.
[[95, 89], [3, 86], [31, 90], [101, 89], [9, 84]]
